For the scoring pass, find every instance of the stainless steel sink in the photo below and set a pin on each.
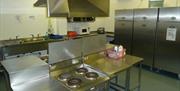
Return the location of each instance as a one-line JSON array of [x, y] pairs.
[[32, 40]]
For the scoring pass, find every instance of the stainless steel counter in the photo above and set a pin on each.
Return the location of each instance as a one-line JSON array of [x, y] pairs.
[[111, 66], [110, 34], [28, 45], [35, 40]]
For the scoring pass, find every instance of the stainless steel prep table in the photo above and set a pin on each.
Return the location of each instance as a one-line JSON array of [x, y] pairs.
[[114, 67], [29, 73]]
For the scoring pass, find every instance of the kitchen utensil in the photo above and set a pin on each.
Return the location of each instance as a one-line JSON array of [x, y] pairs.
[[101, 30], [53, 36]]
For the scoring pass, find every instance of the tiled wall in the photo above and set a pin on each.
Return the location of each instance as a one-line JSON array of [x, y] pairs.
[[99, 22]]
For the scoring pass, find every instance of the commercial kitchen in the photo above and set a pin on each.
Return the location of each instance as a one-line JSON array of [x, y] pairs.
[[89, 45]]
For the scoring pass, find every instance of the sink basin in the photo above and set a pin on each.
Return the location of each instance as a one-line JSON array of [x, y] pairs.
[[32, 40], [28, 41], [8, 42]]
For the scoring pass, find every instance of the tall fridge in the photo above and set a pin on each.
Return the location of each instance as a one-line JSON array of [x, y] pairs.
[[124, 28], [145, 24], [168, 40]]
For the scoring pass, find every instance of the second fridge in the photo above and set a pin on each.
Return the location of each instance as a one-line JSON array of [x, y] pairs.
[[144, 34]]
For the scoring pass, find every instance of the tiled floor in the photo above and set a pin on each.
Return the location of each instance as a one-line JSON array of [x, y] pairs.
[[150, 81]]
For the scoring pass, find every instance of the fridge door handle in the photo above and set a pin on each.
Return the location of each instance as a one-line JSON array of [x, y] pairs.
[[123, 18], [172, 26], [143, 25], [144, 18]]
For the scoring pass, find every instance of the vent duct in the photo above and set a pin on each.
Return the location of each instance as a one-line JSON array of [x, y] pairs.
[[75, 8]]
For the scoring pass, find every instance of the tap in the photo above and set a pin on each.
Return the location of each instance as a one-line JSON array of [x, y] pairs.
[[32, 35], [83, 59], [17, 37], [38, 35]]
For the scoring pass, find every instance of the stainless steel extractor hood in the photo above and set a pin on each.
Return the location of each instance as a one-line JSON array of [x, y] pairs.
[[75, 8], [41, 3]]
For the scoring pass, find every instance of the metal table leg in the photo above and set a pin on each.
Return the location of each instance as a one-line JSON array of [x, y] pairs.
[[117, 87], [139, 77], [6, 76], [114, 85], [107, 87], [127, 83], [116, 79]]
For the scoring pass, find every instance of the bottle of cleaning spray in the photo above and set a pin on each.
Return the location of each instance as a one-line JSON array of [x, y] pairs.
[[50, 27]]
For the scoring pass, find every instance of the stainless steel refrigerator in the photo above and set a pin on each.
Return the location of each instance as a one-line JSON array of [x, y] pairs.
[[124, 28], [144, 34], [168, 40]]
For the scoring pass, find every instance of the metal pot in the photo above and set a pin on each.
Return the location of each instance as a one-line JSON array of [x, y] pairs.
[[101, 30]]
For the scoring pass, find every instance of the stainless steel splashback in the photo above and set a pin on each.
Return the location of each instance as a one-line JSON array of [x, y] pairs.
[[75, 8], [65, 50], [70, 49], [93, 44]]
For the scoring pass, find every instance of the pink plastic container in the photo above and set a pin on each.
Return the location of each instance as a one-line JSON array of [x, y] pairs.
[[115, 55]]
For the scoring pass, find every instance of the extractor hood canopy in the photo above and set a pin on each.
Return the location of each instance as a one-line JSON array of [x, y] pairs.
[[75, 8]]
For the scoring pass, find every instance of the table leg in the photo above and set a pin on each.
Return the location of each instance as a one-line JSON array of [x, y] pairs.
[[7, 81], [116, 79], [107, 86], [139, 77], [127, 83]]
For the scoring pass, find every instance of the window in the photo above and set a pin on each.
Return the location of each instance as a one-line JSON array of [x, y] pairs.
[[156, 3]]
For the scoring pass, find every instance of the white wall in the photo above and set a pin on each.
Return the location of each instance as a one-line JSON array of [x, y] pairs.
[[171, 3], [19, 17], [122, 4], [1, 20], [61, 26], [129, 4]]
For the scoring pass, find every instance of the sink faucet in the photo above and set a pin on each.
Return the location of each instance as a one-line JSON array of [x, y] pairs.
[[17, 37], [38, 35], [32, 35]]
